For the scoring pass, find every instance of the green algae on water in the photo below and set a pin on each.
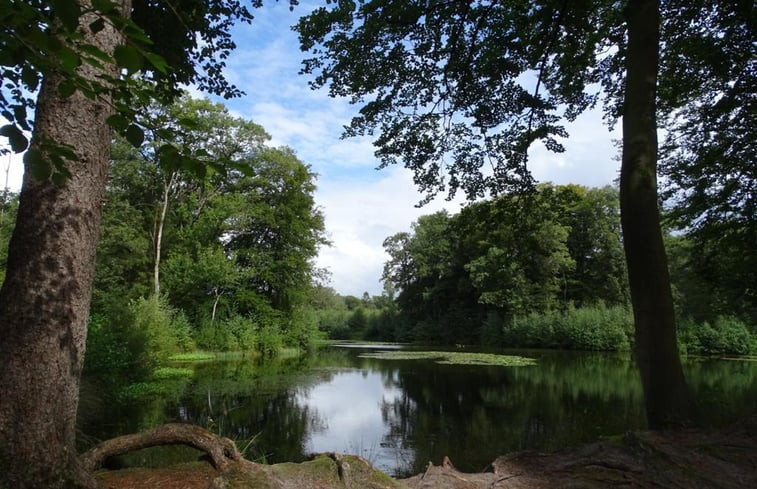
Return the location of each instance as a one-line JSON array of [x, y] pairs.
[[455, 358]]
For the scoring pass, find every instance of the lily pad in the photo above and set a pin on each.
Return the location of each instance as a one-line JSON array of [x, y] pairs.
[[455, 358]]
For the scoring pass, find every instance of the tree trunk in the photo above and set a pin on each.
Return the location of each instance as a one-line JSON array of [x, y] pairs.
[[665, 392], [159, 231], [44, 301]]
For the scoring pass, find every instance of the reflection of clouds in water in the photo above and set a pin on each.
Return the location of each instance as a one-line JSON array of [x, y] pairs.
[[347, 415]]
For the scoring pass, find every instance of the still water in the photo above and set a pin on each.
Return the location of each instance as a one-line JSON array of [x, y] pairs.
[[401, 414]]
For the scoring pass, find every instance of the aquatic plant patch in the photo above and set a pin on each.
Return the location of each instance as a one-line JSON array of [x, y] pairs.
[[455, 358]]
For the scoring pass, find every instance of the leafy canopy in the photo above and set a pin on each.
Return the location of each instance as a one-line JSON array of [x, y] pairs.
[[166, 44], [458, 91]]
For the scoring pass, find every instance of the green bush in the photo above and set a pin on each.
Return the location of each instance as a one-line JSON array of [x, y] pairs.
[[117, 353], [243, 335], [598, 328], [126, 343], [303, 332], [725, 336], [215, 336], [268, 341], [154, 317]]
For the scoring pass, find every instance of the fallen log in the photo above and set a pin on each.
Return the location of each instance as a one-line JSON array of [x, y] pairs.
[[220, 450]]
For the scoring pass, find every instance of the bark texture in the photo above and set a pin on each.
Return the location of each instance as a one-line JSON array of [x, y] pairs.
[[44, 301], [159, 225], [665, 392], [221, 450]]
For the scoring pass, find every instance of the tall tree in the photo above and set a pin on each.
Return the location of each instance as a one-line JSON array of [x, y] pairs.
[[667, 400], [44, 300], [458, 91]]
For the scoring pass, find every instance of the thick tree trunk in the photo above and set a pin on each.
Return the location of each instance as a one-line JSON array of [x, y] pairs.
[[44, 301], [665, 391]]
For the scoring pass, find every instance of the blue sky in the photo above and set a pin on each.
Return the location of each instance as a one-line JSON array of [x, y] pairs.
[[362, 205]]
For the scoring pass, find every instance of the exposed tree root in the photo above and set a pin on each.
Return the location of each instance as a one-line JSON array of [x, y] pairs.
[[220, 450], [724, 459]]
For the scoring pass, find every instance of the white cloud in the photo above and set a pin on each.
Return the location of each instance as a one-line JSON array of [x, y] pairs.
[[588, 158], [360, 214]]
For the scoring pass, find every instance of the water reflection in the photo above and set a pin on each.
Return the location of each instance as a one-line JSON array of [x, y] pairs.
[[403, 414]]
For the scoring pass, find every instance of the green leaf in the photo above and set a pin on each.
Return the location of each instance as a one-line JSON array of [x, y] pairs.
[[188, 123], [128, 57], [135, 33], [104, 6], [69, 59], [193, 166], [16, 138], [135, 135], [61, 151], [168, 156], [66, 88], [157, 62], [97, 26], [164, 133], [117, 122], [19, 114], [30, 77], [59, 178], [39, 167], [68, 11], [96, 52]]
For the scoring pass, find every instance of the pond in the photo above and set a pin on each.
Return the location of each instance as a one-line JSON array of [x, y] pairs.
[[402, 413]]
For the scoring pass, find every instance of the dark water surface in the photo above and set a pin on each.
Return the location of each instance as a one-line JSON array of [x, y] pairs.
[[401, 414]]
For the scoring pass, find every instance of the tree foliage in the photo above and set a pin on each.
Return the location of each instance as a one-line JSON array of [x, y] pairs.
[[507, 257], [165, 45], [237, 243], [458, 91]]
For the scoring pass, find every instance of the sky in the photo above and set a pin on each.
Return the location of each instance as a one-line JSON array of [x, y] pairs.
[[362, 206]]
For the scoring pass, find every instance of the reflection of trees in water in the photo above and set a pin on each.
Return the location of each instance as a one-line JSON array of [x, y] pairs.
[[480, 412], [470, 413], [261, 401]]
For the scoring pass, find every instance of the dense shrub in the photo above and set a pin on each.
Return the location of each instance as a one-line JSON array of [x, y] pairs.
[[268, 340], [726, 335], [128, 342], [302, 330], [117, 353], [213, 336], [597, 327]]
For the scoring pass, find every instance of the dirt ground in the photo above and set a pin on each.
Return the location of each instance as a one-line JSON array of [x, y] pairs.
[[723, 459]]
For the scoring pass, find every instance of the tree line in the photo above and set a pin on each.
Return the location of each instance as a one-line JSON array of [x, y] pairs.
[[543, 269]]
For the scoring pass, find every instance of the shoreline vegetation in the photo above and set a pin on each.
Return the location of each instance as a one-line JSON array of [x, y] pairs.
[[723, 459]]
